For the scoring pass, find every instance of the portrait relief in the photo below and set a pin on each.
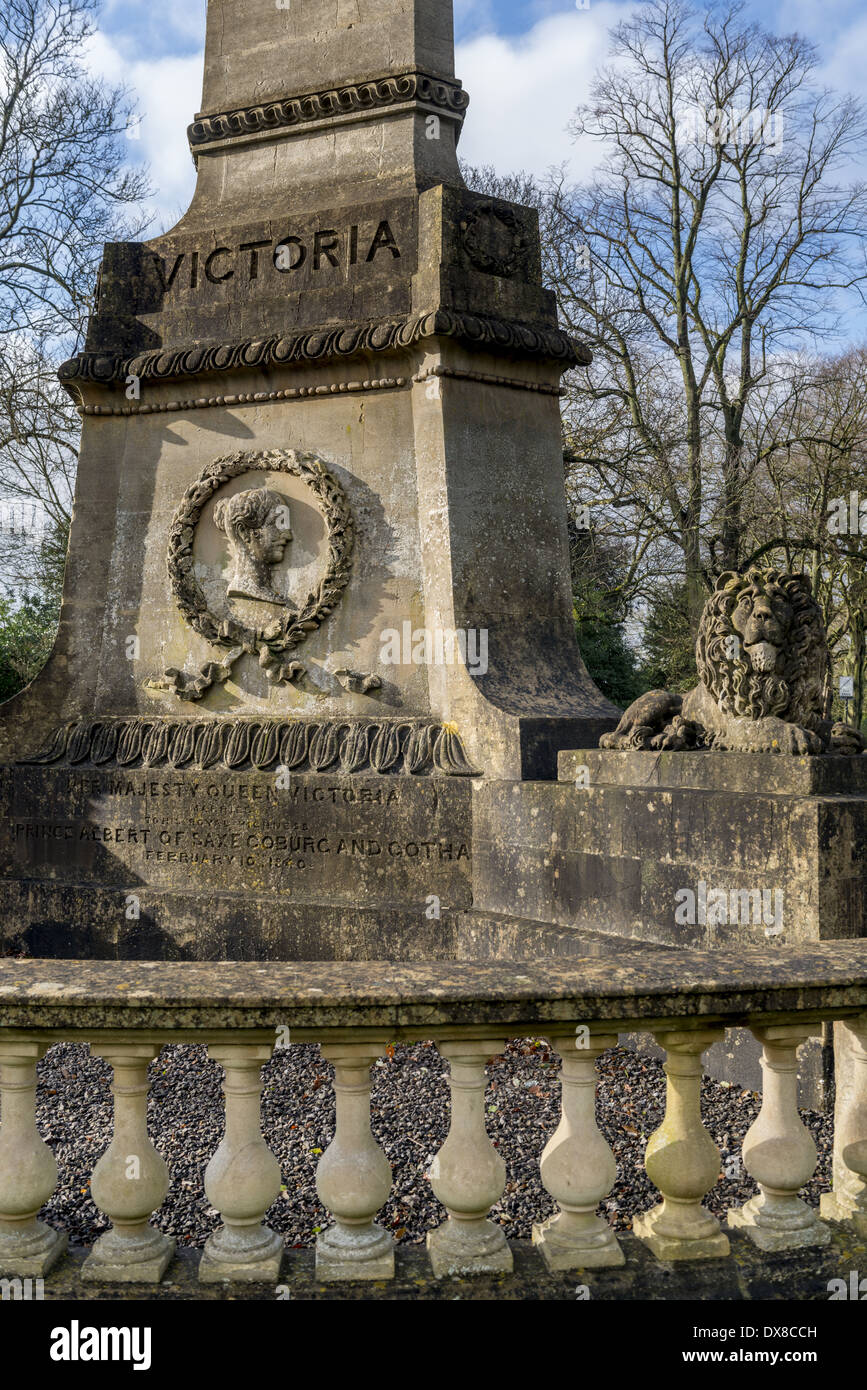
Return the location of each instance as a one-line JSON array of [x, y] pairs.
[[228, 541], [257, 525]]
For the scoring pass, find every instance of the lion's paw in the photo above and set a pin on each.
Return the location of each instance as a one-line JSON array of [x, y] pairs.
[[791, 738], [845, 740], [771, 736]]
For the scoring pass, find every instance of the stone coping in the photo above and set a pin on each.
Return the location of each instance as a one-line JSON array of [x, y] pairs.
[[731, 987], [771, 774]]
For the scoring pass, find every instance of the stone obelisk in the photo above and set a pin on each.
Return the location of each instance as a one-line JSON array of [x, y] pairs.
[[319, 519]]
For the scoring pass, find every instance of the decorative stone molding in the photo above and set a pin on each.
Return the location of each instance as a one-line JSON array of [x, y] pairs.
[[319, 345], [344, 745], [335, 388], [314, 107], [353, 1178], [495, 239], [779, 1152], [28, 1169], [358, 682], [242, 1180], [514, 383], [577, 1165], [133, 1251], [682, 1159], [468, 1175], [351, 1007]]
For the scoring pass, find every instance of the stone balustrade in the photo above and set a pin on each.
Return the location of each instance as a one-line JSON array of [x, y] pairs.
[[127, 1011]]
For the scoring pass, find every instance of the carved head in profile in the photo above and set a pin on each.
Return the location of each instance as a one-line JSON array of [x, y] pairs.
[[256, 525]]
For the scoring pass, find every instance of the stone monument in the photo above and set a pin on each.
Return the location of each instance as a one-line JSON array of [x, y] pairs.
[[318, 586], [316, 692]]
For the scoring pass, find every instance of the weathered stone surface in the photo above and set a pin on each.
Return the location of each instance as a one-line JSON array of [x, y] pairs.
[[99, 1268], [339, 1259], [745, 1274], [817, 1233], [816, 982], [453, 1254], [305, 409], [735, 773], [614, 846], [562, 1255], [339, 327], [265, 1270], [848, 1201], [165, 862], [711, 1247]]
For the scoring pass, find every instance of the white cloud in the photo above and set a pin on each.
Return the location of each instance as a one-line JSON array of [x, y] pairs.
[[161, 26], [843, 67], [168, 93], [524, 89]]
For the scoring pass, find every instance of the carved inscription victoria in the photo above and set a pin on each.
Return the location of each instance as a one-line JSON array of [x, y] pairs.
[[323, 249]]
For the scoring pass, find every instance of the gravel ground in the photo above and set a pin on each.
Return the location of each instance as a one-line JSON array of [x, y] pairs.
[[409, 1119]]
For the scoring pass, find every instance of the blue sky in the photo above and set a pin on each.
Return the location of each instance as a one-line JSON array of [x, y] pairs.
[[526, 66]]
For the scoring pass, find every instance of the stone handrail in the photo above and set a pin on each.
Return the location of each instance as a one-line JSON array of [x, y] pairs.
[[128, 1011]]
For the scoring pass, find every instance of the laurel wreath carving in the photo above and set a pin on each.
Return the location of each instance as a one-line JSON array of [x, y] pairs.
[[476, 232], [280, 635]]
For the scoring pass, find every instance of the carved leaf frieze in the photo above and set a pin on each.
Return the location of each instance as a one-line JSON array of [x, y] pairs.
[[386, 746], [318, 345], [334, 101]]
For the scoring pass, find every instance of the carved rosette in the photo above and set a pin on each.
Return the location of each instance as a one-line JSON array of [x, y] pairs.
[[280, 635], [495, 239], [344, 746]]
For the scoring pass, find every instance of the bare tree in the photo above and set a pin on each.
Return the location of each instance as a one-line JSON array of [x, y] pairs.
[[65, 189], [715, 235], [63, 172], [815, 502]]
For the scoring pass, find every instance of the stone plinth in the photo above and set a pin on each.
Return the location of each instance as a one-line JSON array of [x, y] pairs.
[[295, 560]]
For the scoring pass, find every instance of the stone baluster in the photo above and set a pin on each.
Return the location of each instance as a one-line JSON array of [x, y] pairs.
[[28, 1172], [131, 1180], [243, 1177], [848, 1201], [468, 1175], [682, 1159], [354, 1176], [577, 1165], [778, 1150]]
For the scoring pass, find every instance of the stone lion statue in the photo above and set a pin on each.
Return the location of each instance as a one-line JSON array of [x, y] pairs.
[[764, 668]]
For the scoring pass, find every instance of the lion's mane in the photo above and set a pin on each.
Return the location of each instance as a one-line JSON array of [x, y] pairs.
[[798, 694]]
